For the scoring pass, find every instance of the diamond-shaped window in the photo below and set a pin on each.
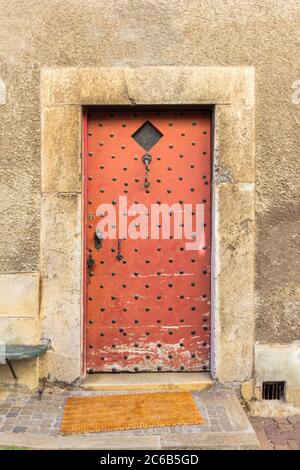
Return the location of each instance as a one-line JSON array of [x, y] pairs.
[[147, 135]]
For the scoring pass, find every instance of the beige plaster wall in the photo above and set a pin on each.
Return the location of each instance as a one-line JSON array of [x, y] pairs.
[[263, 34]]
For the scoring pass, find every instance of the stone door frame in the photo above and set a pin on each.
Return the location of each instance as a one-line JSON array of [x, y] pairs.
[[230, 92]]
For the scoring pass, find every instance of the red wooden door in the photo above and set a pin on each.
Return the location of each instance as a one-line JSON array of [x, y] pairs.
[[147, 299]]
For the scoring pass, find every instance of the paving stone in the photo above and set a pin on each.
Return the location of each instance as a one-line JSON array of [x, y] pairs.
[[10, 421], [266, 421], [214, 421], [6, 428], [4, 409], [274, 435], [281, 420], [276, 438], [36, 422], [281, 432], [269, 424], [264, 442], [226, 426], [25, 413], [295, 435], [12, 396], [294, 419], [282, 447], [20, 429], [46, 423], [257, 424], [296, 426], [11, 414], [45, 430], [215, 428], [33, 429], [22, 421], [293, 445], [285, 427]]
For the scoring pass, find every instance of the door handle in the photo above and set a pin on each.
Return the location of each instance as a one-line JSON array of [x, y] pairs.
[[119, 256], [90, 265]]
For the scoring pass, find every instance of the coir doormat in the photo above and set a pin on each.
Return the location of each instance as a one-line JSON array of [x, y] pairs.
[[130, 411]]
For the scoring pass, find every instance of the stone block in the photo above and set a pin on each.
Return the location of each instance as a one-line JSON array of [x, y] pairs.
[[19, 295], [61, 149]]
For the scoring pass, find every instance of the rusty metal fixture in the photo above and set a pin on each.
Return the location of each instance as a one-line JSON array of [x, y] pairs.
[[119, 256], [90, 266], [146, 160], [98, 241]]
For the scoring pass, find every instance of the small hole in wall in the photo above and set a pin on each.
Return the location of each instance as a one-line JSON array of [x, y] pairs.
[[273, 390]]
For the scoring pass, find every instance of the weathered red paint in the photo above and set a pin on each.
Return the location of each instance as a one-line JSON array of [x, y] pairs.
[[147, 321]]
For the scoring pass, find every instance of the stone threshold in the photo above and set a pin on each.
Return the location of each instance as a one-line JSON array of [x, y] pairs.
[[191, 381], [201, 441]]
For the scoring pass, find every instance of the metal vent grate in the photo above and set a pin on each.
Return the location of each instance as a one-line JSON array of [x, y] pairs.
[[273, 390]]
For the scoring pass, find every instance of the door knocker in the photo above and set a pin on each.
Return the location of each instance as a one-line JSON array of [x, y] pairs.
[[147, 160]]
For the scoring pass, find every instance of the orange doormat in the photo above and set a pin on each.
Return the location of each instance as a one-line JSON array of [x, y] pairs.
[[131, 411]]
